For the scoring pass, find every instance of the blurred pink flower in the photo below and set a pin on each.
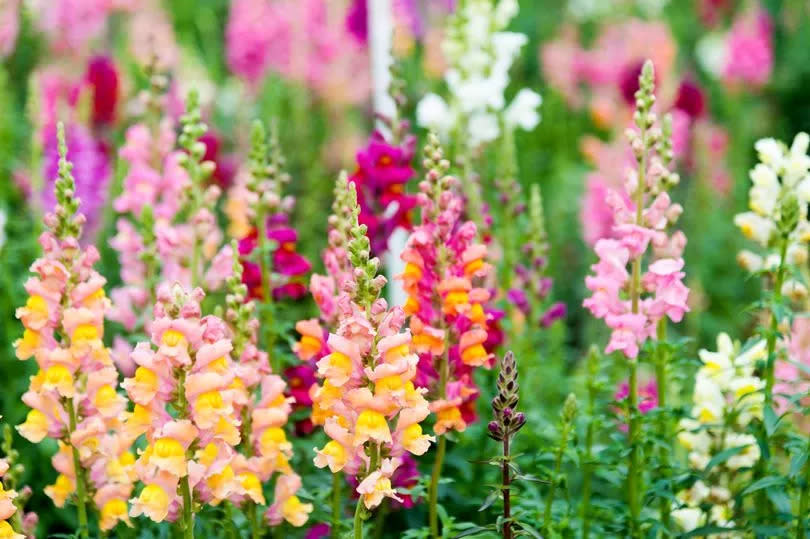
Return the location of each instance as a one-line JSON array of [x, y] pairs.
[[749, 50]]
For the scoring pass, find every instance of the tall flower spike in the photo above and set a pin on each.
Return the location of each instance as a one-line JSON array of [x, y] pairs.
[[73, 397], [260, 403], [504, 406], [367, 402], [450, 315], [635, 303]]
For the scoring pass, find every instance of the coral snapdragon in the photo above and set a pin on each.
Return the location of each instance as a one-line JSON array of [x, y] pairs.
[[370, 406], [73, 396], [445, 269]]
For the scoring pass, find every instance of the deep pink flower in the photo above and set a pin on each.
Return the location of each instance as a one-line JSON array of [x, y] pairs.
[[690, 99], [749, 50], [102, 76], [357, 20]]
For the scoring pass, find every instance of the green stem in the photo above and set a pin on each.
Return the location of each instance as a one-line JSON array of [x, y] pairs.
[[507, 495], [433, 492], [195, 263], [379, 522], [336, 499], [267, 308], [358, 520], [188, 515], [804, 500], [255, 526], [777, 299], [632, 398], [81, 489], [555, 477], [588, 467], [661, 378]]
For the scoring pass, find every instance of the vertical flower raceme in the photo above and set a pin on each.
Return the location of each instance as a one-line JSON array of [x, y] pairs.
[[260, 402], [14, 523], [641, 219], [370, 407], [777, 221], [726, 399], [185, 403], [532, 277], [480, 53], [326, 290], [273, 268], [449, 308], [635, 301], [445, 269], [73, 396]]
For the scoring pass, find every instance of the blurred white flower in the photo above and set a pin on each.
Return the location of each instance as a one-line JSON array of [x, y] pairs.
[[711, 54], [483, 128], [432, 112], [522, 111]]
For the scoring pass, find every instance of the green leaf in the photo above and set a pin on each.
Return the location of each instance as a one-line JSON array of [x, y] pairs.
[[723, 456], [797, 464], [765, 482], [489, 500], [771, 420], [472, 531]]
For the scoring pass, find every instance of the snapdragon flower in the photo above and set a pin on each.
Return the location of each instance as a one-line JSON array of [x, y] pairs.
[[480, 53], [448, 305], [632, 303], [727, 398], [368, 403], [259, 398], [186, 405], [73, 397]]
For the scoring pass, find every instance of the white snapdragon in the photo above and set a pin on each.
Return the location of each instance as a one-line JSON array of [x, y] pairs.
[[480, 54], [782, 173], [726, 399]]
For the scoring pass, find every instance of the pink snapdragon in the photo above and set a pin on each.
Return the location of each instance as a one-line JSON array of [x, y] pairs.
[[749, 50], [264, 36], [367, 402], [73, 397], [631, 302]]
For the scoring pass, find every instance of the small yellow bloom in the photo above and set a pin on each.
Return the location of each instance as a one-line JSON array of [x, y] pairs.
[[251, 486], [84, 333], [112, 512], [60, 490], [173, 338], [35, 427], [371, 425], [272, 440], [169, 454], [152, 502], [60, 378], [295, 512]]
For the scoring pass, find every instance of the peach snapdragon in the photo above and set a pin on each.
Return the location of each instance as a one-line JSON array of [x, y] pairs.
[[185, 406], [73, 397], [367, 401]]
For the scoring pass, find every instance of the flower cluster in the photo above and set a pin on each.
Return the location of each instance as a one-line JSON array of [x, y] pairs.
[[778, 199], [640, 223], [367, 402], [744, 55], [480, 54], [383, 171], [303, 41], [261, 402], [73, 396], [186, 369], [259, 220], [449, 310], [12, 518], [727, 398]]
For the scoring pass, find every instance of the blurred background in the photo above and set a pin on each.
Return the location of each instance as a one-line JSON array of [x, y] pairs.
[[729, 71]]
